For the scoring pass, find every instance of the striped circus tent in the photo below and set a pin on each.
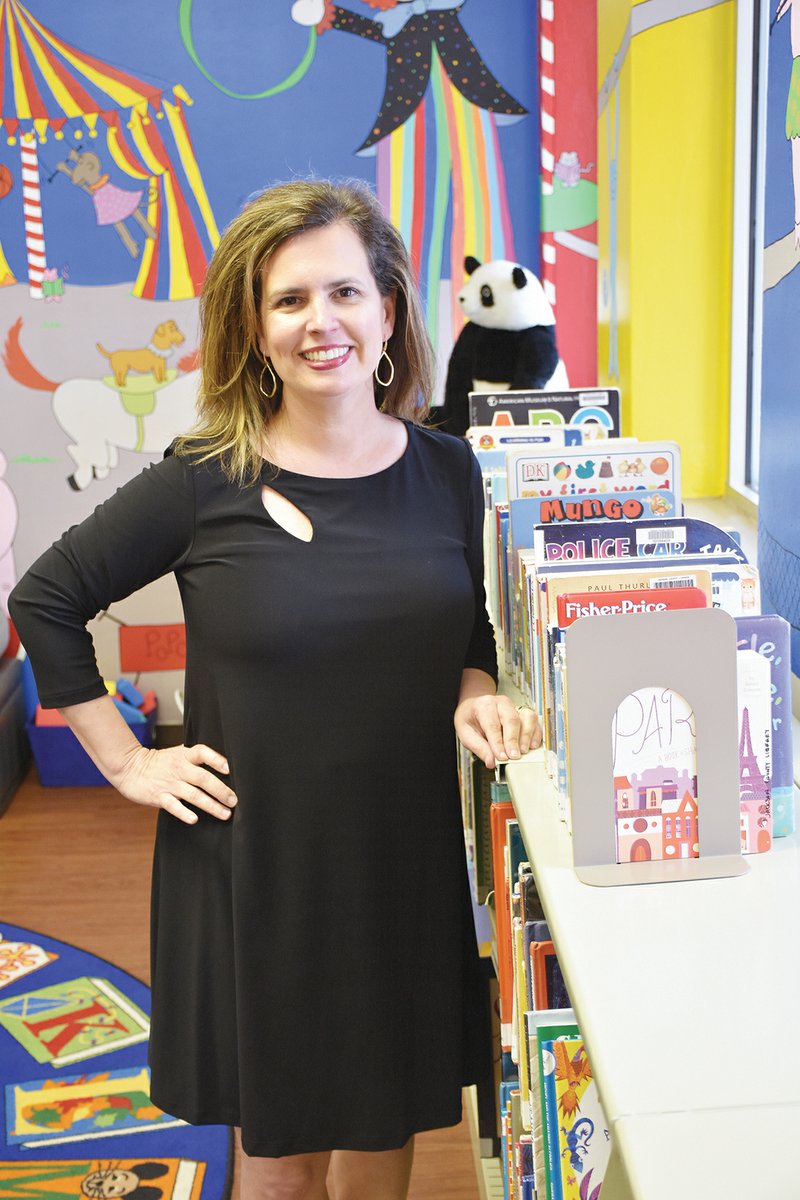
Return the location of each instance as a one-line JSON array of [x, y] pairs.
[[48, 87]]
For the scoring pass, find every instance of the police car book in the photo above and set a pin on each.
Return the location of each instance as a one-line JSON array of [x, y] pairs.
[[646, 538]]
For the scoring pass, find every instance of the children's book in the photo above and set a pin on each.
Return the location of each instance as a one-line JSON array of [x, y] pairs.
[[584, 1142], [571, 606], [599, 579], [550, 1117], [501, 610], [732, 582], [74, 1108], [594, 410], [502, 813], [601, 506], [543, 1026], [768, 634], [549, 988], [74, 1020], [654, 787], [20, 958], [613, 467], [505, 437], [77, 1178], [753, 686], [653, 538]]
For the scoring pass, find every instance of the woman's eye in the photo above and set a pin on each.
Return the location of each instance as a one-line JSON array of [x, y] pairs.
[[348, 292], [287, 301]]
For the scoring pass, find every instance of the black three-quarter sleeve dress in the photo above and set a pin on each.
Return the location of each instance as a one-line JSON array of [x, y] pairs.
[[314, 970]]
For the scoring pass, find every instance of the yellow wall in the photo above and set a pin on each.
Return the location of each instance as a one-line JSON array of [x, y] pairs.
[[674, 215]]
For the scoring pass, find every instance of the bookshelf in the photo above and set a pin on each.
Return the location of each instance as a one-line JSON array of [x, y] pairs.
[[487, 1170], [686, 995]]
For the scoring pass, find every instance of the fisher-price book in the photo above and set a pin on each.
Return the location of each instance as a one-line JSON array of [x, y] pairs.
[[598, 579]]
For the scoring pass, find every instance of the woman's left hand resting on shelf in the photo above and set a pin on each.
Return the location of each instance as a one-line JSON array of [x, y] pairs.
[[490, 725]]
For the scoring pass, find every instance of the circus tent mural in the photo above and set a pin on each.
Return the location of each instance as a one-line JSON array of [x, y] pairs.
[[51, 89], [129, 134]]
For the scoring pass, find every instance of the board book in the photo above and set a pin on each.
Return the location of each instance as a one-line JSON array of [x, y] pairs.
[[615, 467], [769, 635], [505, 437], [755, 750], [595, 410]]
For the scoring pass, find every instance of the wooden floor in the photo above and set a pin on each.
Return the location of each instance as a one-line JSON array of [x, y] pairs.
[[75, 865]]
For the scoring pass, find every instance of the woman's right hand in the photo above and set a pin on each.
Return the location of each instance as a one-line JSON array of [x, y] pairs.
[[174, 777]]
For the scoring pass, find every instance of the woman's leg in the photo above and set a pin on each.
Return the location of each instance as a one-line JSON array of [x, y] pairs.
[[372, 1175], [295, 1177]]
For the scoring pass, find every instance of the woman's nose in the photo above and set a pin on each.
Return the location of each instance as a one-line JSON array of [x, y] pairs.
[[320, 313]]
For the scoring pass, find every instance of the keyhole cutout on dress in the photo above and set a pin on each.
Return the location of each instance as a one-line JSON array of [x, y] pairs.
[[286, 514]]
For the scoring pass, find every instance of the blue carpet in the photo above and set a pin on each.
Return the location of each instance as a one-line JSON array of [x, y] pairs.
[[77, 1119]]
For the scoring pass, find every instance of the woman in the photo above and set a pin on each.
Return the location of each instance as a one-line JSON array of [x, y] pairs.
[[313, 957]]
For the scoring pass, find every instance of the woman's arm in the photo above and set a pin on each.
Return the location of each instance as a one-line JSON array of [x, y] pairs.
[[143, 531], [489, 725], [167, 779]]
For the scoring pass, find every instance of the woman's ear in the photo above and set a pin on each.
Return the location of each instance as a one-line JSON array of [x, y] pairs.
[[389, 305]]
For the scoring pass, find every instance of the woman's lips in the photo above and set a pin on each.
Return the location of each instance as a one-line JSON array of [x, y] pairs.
[[324, 358]]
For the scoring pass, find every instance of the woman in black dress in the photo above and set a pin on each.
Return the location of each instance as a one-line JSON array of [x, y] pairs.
[[313, 956]]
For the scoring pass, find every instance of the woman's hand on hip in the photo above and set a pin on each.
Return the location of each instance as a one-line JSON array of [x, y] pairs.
[[172, 778], [494, 730]]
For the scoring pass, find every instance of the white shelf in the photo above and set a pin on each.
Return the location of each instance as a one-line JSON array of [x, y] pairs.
[[487, 1170], [686, 995]]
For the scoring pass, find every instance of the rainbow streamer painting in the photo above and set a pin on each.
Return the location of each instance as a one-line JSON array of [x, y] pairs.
[[445, 161]]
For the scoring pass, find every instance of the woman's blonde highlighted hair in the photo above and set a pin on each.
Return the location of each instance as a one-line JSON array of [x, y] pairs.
[[234, 415]]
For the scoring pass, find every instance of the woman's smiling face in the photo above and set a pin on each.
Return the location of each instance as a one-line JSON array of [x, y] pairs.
[[323, 321]]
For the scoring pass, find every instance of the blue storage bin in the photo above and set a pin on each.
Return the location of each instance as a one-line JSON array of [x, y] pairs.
[[61, 760]]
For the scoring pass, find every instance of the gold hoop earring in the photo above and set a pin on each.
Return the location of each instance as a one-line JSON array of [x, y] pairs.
[[384, 354], [267, 367]]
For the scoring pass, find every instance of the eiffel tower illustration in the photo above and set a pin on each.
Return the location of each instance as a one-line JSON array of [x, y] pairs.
[[752, 784]]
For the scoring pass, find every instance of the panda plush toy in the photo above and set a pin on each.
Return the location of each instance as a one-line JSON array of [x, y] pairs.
[[509, 341]]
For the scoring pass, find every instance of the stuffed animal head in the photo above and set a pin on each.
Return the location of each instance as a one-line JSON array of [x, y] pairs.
[[503, 295]]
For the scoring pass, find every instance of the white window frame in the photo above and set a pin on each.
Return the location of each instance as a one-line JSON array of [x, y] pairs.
[[752, 37]]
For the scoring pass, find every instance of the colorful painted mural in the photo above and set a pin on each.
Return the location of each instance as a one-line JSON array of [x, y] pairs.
[[127, 143], [778, 487]]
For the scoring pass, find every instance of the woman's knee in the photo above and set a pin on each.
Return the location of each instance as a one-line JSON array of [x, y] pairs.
[[294, 1177]]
